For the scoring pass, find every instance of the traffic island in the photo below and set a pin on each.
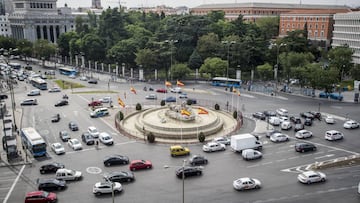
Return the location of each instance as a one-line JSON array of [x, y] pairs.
[[338, 162]]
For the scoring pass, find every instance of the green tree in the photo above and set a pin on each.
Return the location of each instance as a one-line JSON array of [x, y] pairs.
[[64, 42], [7, 43], [321, 78], [355, 72], [269, 26], [124, 52], [340, 58], [93, 47], [180, 71], [140, 35], [195, 60], [296, 41], [265, 71], [290, 61], [214, 67], [147, 58], [25, 47], [208, 45], [44, 50]]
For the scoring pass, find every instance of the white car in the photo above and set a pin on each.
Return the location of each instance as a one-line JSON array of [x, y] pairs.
[[83, 78], [309, 177], [302, 134], [282, 112], [275, 121], [105, 100], [250, 154], [106, 187], [67, 174], [329, 120], [213, 146], [279, 137], [332, 135], [222, 140], [283, 119], [351, 124], [151, 96], [55, 89], [58, 148], [93, 131], [105, 138], [246, 184], [183, 96], [175, 90], [286, 125], [75, 144]]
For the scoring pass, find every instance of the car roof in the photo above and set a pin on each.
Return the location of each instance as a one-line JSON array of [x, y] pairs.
[[309, 173], [34, 193]]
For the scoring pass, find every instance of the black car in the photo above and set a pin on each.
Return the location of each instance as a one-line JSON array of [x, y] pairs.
[[62, 103], [64, 135], [271, 132], [316, 114], [92, 81], [55, 118], [51, 167], [295, 119], [3, 96], [308, 121], [191, 101], [298, 126], [189, 171], [51, 184], [269, 113], [304, 147], [198, 160], [259, 115], [307, 115], [73, 126], [120, 176], [115, 159], [88, 138]]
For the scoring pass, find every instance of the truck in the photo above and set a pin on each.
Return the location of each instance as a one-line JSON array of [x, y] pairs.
[[245, 141]]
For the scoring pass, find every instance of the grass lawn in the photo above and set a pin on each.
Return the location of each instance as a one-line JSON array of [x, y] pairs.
[[64, 84]]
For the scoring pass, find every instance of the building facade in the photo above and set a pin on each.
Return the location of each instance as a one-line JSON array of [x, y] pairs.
[[319, 23], [5, 26], [347, 32], [40, 19], [253, 11]]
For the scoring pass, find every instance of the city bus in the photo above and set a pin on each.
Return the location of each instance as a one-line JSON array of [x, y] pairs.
[[225, 82], [67, 71], [16, 66], [33, 141], [39, 83]]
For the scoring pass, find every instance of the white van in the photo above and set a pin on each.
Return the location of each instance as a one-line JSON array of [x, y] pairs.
[[286, 125], [250, 154], [34, 92], [333, 135], [100, 112]]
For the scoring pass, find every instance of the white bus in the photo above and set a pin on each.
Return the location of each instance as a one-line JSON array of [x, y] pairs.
[[33, 141], [39, 83]]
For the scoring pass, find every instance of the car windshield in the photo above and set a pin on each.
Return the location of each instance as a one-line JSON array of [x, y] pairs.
[[58, 146], [107, 138], [75, 142]]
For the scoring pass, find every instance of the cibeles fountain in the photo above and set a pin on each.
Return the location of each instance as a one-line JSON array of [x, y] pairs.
[[179, 122]]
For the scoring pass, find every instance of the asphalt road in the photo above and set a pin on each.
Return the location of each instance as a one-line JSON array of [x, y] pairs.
[[277, 170]]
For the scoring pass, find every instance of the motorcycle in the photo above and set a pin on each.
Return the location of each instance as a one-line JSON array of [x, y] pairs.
[[65, 96]]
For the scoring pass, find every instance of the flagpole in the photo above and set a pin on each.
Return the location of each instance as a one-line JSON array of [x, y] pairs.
[[232, 100]]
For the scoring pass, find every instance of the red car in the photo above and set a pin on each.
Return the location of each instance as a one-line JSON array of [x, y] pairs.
[[140, 164], [40, 197], [95, 103], [161, 90]]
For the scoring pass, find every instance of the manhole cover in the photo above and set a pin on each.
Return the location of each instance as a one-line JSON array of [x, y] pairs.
[[93, 170]]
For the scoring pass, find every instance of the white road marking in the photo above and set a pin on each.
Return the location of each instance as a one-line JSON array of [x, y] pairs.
[[13, 185], [326, 156]]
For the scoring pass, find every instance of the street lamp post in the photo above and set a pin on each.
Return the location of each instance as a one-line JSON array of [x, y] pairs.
[[277, 64], [171, 42], [183, 178], [228, 43]]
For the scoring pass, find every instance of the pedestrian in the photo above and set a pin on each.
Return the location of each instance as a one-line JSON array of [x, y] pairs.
[[97, 144]]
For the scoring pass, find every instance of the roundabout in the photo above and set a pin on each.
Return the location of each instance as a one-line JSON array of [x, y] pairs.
[[179, 123]]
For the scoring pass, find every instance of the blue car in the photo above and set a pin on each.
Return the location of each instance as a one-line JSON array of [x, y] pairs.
[[170, 99], [336, 96], [324, 95]]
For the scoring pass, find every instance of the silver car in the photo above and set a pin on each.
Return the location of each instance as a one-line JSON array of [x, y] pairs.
[[302, 134], [246, 184], [309, 177], [279, 137]]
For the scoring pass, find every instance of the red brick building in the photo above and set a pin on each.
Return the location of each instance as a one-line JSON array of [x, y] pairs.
[[319, 23]]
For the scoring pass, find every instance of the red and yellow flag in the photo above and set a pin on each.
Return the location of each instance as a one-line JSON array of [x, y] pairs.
[[132, 89], [184, 112], [121, 103], [202, 111], [168, 84], [179, 83]]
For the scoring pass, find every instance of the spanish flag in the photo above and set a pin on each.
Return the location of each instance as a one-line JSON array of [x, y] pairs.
[[238, 92], [184, 112], [179, 83], [234, 90], [121, 103], [168, 84], [202, 111], [133, 90]]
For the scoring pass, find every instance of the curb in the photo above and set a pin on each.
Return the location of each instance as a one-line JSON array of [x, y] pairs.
[[341, 161]]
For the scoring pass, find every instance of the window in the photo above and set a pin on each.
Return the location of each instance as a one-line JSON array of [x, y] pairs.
[[19, 5]]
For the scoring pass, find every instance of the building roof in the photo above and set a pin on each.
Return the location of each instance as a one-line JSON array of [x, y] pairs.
[[316, 11], [269, 5]]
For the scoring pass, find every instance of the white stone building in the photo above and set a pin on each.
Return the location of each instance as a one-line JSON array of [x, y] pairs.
[[40, 19], [5, 26], [347, 32]]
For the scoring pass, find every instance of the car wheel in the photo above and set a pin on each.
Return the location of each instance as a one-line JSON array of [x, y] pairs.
[[322, 179], [198, 173], [257, 187], [108, 164], [314, 149], [148, 167], [133, 169], [98, 193], [124, 162], [205, 161], [308, 182], [42, 172], [59, 188], [302, 151], [129, 179]]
